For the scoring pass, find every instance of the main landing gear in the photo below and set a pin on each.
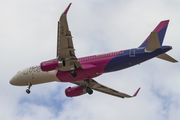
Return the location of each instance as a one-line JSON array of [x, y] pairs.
[[28, 90], [88, 86], [89, 90], [73, 73]]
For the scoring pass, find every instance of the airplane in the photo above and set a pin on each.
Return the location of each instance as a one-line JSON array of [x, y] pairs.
[[66, 67]]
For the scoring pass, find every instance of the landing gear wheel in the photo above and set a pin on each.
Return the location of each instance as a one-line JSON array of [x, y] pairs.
[[73, 73], [89, 90], [28, 91]]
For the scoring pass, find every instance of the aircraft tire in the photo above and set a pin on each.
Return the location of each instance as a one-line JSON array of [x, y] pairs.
[[89, 90], [28, 91], [73, 73]]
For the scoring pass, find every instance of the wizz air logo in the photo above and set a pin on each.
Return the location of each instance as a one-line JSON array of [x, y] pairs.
[[35, 69]]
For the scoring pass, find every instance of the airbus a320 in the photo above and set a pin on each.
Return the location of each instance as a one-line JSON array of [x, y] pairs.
[[66, 67]]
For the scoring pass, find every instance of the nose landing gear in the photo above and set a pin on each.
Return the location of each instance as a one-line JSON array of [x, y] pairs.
[[28, 90]]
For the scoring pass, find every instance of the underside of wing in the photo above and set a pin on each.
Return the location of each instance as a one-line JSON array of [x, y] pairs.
[[101, 88], [65, 48]]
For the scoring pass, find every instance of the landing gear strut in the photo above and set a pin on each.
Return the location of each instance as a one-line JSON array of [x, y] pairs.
[[73, 73], [28, 90], [89, 90]]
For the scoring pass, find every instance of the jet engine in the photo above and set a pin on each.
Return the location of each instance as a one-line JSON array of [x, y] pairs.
[[51, 65], [75, 91]]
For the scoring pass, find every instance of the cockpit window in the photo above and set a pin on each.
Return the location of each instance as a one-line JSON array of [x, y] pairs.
[[18, 71]]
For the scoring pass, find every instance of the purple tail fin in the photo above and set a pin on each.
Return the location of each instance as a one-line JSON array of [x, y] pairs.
[[161, 30]]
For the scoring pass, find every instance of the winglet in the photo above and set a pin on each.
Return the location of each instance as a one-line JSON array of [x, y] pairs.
[[136, 92], [65, 12]]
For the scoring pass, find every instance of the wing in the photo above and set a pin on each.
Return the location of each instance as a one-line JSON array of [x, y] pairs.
[[65, 49], [101, 88]]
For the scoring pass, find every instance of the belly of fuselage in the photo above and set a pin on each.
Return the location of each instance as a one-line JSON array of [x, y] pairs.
[[86, 73]]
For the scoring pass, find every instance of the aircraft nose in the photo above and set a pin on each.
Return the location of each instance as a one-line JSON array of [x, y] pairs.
[[12, 82]]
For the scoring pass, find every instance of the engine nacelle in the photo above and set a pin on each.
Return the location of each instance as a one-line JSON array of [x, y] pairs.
[[75, 91], [51, 65]]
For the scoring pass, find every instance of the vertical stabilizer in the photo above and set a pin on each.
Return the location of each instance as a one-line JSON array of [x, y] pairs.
[[161, 30]]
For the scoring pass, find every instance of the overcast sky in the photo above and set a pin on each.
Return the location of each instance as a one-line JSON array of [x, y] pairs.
[[28, 31]]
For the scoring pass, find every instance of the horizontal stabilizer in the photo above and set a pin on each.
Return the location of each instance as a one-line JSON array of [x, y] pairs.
[[153, 42], [167, 58]]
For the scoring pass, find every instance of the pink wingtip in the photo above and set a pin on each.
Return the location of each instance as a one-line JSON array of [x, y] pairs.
[[136, 92], [65, 12]]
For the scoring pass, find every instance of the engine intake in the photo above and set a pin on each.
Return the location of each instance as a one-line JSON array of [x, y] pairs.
[[51, 65], [75, 91]]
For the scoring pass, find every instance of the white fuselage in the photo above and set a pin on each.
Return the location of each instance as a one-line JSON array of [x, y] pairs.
[[33, 75]]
